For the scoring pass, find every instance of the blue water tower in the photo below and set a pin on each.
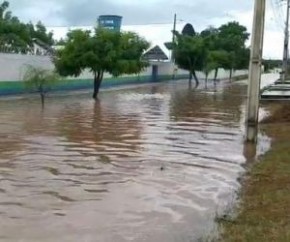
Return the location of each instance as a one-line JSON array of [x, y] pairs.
[[112, 22]]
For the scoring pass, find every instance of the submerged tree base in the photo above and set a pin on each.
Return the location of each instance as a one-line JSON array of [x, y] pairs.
[[265, 198]]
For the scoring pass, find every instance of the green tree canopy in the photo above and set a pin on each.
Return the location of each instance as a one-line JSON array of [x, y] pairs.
[[103, 51], [271, 64], [16, 36], [190, 53], [188, 30], [39, 32], [232, 38], [213, 48], [214, 54]]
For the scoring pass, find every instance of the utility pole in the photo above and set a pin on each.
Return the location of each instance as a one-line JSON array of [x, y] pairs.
[[255, 71], [172, 48], [173, 37], [286, 45]]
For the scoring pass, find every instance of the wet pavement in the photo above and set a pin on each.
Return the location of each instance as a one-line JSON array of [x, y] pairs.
[[149, 163]]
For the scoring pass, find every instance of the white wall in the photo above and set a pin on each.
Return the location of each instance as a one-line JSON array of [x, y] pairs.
[[223, 74], [12, 68], [168, 68]]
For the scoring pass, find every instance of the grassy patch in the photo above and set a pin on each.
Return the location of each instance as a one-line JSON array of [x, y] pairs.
[[264, 213]]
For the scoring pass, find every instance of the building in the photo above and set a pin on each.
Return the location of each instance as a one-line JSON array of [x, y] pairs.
[[155, 54], [113, 22], [41, 48]]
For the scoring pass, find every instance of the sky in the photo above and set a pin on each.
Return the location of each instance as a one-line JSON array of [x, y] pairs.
[[153, 19]]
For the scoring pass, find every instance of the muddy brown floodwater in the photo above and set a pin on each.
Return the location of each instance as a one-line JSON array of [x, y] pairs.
[[149, 163]]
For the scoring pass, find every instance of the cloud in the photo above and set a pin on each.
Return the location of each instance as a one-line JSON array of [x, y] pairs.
[[85, 12]]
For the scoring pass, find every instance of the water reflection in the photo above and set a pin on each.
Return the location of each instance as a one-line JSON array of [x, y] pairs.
[[250, 151], [151, 163], [98, 128]]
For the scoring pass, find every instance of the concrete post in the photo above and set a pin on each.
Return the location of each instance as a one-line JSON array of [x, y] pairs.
[[286, 45], [255, 71], [173, 43], [173, 37]]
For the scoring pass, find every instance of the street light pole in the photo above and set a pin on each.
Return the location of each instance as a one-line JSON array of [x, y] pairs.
[[255, 71], [286, 45]]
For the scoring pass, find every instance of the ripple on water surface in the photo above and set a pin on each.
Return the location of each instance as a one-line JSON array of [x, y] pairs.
[[151, 163]]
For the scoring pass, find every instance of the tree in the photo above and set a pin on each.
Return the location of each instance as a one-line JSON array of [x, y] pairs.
[[188, 30], [213, 55], [104, 51], [244, 57], [16, 36], [226, 48], [60, 42], [213, 61], [221, 58], [40, 32], [40, 80], [271, 64], [232, 38], [233, 35], [210, 32], [214, 48], [189, 54], [3, 7]]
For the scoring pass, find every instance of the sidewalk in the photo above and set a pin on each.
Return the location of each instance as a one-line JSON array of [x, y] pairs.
[[275, 91], [268, 79]]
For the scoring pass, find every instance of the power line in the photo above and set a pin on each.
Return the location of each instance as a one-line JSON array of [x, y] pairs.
[[276, 10], [127, 25], [281, 14]]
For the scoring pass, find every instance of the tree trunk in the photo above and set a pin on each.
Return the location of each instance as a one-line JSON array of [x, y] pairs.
[[190, 81], [206, 79], [216, 74], [195, 78], [190, 76], [231, 74], [42, 95], [98, 77]]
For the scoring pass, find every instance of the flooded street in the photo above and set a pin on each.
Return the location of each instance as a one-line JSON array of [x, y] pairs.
[[150, 163]]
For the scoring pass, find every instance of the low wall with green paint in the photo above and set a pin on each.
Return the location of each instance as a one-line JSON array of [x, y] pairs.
[[18, 87], [13, 67], [8, 88]]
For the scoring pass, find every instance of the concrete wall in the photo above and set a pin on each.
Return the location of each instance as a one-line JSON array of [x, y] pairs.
[[13, 67], [223, 74]]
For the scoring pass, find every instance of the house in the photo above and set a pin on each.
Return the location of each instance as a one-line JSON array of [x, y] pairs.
[[155, 54], [41, 48]]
